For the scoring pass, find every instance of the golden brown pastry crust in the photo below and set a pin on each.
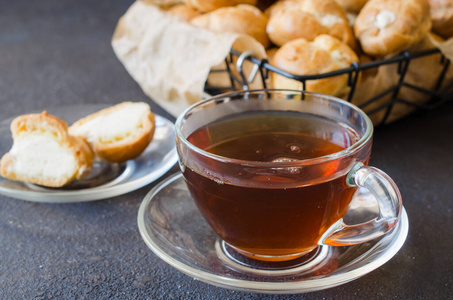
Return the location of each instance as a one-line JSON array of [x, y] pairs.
[[352, 6], [243, 19], [40, 124], [165, 4], [386, 27], [184, 12], [211, 5], [122, 149], [442, 17], [323, 54], [130, 150], [307, 19]]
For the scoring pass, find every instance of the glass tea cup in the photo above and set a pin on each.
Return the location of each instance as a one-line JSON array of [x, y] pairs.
[[273, 171]]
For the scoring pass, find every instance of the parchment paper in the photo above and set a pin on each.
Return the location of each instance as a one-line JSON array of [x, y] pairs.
[[171, 59]]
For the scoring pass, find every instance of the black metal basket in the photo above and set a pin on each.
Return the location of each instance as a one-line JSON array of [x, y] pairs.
[[380, 104]]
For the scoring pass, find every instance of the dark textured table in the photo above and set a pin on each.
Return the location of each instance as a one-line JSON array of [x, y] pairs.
[[57, 52]]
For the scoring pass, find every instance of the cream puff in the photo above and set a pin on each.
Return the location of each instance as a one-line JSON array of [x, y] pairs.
[[322, 55], [386, 27]]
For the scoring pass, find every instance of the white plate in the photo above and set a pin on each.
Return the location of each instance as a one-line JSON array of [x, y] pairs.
[[105, 180], [175, 231]]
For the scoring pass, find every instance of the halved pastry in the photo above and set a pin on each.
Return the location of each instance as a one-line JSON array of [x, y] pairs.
[[117, 133], [44, 153]]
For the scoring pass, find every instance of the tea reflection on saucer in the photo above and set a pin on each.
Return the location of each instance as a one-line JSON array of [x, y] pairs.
[[314, 260]]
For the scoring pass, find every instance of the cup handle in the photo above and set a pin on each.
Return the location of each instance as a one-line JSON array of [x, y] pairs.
[[390, 206]]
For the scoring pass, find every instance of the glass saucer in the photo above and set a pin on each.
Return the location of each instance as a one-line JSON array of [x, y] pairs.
[[105, 180], [172, 227]]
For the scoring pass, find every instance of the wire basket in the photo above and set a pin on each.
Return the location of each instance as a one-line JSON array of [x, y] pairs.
[[380, 107]]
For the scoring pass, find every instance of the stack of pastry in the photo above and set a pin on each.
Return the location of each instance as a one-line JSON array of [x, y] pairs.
[[311, 37]]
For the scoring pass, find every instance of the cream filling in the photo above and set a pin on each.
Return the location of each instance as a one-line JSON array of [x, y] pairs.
[[340, 58], [117, 125], [329, 20], [41, 156], [384, 19], [351, 19]]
